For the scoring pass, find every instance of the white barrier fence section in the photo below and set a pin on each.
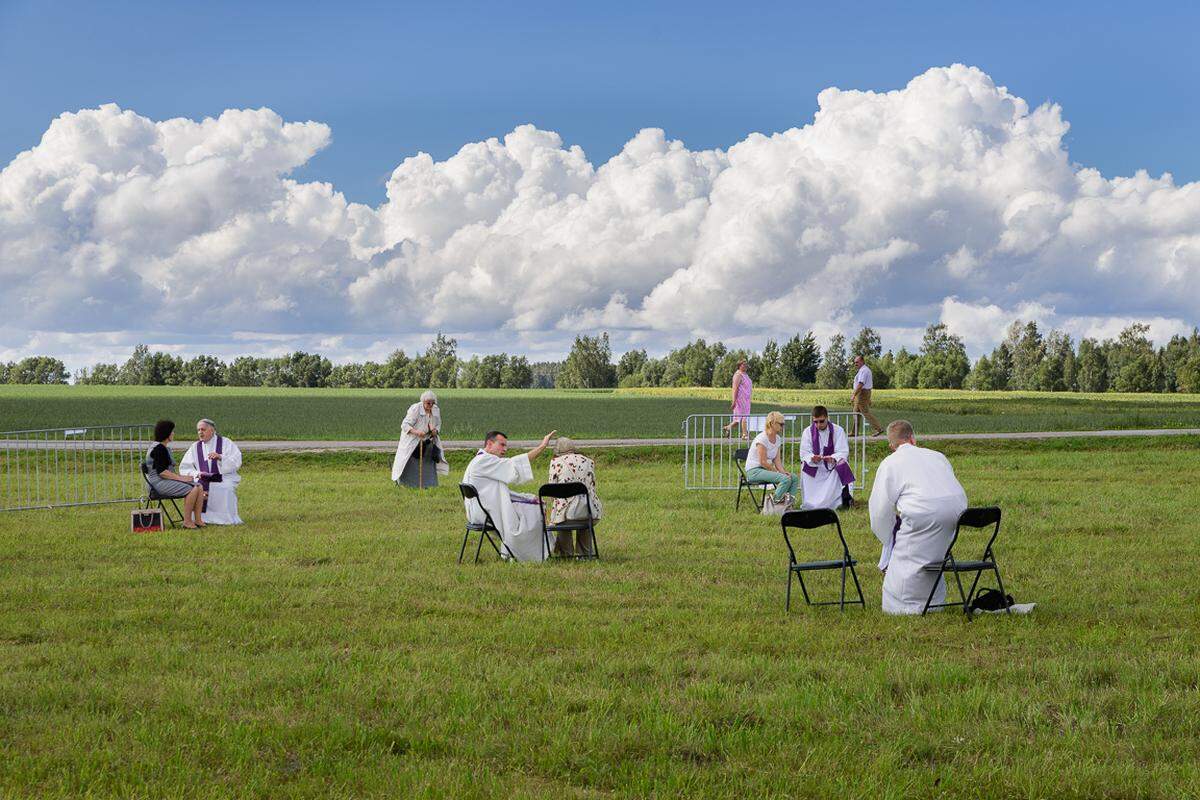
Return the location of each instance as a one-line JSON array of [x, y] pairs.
[[58, 467], [708, 452]]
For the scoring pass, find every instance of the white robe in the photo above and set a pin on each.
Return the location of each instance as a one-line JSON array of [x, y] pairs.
[[417, 421], [919, 485], [520, 522], [825, 489], [222, 497]]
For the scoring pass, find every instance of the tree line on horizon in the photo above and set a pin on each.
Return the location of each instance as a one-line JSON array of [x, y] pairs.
[[1026, 359]]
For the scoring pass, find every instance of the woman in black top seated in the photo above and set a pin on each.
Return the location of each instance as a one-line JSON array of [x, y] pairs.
[[167, 482]]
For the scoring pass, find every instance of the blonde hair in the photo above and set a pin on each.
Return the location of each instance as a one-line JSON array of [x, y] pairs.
[[775, 418]]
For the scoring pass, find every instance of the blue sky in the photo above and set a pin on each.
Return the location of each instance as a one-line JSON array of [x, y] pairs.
[[958, 196], [395, 78]]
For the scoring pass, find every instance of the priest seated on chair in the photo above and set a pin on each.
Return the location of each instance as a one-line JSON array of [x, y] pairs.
[[825, 478], [518, 516], [216, 460]]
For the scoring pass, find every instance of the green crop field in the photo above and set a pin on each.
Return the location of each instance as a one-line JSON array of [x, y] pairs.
[[332, 647], [331, 414]]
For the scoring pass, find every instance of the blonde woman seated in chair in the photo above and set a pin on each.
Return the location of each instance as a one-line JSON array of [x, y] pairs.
[[764, 463], [571, 466]]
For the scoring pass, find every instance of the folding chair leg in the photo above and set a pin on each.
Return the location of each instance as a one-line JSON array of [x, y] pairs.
[[738, 505], [167, 512], [933, 589], [479, 547], [962, 594], [974, 585], [804, 589], [842, 601], [511, 555], [787, 604], [463, 549], [1000, 583], [858, 586]]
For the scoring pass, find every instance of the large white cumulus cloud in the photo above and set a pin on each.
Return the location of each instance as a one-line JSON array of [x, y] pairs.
[[950, 199]]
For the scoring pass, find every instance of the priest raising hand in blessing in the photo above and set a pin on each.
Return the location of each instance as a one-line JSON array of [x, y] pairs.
[[517, 515]]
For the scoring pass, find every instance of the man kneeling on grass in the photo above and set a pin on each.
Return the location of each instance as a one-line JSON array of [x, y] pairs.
[[518, 516], [915, 505]]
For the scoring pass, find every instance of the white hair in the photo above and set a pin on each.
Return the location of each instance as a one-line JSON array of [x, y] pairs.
[[208, 422], [428, 395]]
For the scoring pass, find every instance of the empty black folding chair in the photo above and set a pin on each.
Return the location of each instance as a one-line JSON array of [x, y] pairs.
[[153, 497], [565, 491], [807, 520], [739, 458], [485, 528], [983, 517]]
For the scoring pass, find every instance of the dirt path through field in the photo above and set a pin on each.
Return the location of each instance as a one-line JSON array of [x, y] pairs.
[[523, 444]]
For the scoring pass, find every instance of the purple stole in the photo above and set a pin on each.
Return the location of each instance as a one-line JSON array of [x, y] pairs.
[[207, 476], [842, 469]]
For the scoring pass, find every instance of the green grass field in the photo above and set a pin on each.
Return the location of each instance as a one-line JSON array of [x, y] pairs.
[[331, 414], [332, 647]]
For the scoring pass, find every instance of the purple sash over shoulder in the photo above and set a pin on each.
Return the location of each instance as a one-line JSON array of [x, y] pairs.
[[845, 474], [210, 469]]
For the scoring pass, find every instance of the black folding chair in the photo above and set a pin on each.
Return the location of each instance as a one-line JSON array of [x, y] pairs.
[[807, 520], [565, 491], [153, 497], [739, 458], [983, 517], [485, 528]]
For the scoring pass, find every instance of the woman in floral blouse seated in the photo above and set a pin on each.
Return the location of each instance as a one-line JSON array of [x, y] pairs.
[[571, 466]]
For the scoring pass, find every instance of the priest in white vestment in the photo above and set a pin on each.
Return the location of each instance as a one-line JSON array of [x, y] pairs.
[[213, 454], [422, 424], [915, 504], [518, 516], [825, 478]]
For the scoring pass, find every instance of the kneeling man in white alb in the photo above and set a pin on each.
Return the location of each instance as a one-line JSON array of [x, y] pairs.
[[216, 459], [915, 505]]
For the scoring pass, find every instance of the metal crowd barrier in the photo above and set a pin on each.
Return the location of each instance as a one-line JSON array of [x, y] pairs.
[[708, 461], [59, 467]]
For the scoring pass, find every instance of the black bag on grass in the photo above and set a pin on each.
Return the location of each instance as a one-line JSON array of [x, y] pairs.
[[991, 600]]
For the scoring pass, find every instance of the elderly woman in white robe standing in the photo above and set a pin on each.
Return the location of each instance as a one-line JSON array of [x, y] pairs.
[[419, 459]]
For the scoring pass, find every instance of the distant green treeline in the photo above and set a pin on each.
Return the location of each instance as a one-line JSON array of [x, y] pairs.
[[1027, 359]]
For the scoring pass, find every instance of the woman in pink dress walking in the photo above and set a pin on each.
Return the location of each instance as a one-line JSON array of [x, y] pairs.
[[742, 387]]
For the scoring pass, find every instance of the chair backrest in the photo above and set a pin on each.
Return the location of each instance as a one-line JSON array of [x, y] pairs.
[[565, 491], [562, 491], [739, 457], [807, 520], [145, 466], [469, 492], [977, 517]]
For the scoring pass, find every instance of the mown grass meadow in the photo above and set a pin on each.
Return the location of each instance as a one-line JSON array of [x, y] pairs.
[[332, 647], [374, 414]]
